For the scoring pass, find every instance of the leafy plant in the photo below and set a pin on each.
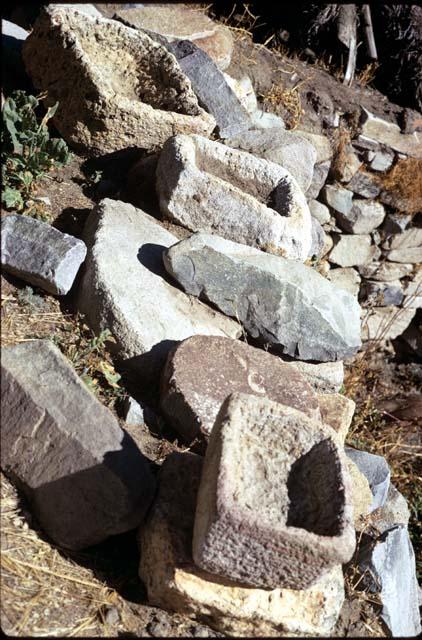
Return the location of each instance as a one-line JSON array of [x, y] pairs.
[[27, 151]]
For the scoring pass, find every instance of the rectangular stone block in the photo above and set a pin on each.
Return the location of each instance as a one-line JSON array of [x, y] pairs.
[[274, 504]]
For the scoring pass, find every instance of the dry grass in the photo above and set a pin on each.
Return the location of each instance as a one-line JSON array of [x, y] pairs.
[[404, 182], [366, 77], [287, 99]]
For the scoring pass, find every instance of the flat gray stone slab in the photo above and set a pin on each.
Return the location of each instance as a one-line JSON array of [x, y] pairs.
[[40, 254], [282, 302], [352, 251], [203, 370], [125, 288], [274, 504], [376, 471], [363, 217], [83, 476]]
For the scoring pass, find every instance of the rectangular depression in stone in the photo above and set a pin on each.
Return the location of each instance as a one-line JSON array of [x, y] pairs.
[[274, 506]]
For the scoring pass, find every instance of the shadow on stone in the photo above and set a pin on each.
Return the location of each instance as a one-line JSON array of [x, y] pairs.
[[150, 256]]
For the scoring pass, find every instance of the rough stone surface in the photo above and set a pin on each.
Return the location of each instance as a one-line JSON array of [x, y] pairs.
[[364, 184], [136, 413], [361, 495], [324, 377], [116, 87], [352, 251], [389, 134], [386, 323], [350, 165], [130, 295], [274, 503], [385, 271], [337, 411], [207, 186], [347, 279], [174, 582], [396, 222], [318, 240], [391, 561], [338, 198], [406, 255], [320, 143], [381, 161], [376, 471], [394, 511], [319, 211], [319, 178], [280, 301], [286, 148], [409, 239], [363, 217], [212, 89], [40, 254], [202, 371], [176, 22], [382, 294], [87, 9], [84, 477]]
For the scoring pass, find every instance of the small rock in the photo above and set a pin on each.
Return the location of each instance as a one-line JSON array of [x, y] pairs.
[[112, 616], [318, 240], [351, 251], [405, 255], [266, 120], [396, 222], [319, 178], [320, 143], [386, 323], [381, 161], [361, 495], [207, 186], [382, 294], [281, 302], [338, 198], [410, 239], [244, 90], [345, 278], [319, 211], [136, 413], [40, 254], [394, 511], [376, 471], [175, 583], [411, 121], [388, 134], [391, 571], [337, 411], [324, 377], [385, 271], [83, 476], [272, 511], [223, 366], [350, 165], [364, 184], [363, 217]]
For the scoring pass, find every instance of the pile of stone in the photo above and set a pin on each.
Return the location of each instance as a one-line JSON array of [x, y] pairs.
[[251, 538]]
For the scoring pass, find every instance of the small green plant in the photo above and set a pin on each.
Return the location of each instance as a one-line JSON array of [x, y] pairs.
[[27, 151]]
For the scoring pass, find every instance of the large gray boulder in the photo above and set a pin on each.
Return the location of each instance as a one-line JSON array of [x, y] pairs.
[[207, 186], [40, 254], [282, 302], [83, 476], [120, 89], [202, 371], [274, 504], [125, 288]]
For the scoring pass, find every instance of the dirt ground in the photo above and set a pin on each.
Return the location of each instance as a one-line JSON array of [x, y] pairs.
[[49, 592]]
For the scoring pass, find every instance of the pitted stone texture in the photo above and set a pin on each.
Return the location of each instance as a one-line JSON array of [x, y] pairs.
[[173, 581], [337, 411], [352, 251], [376, 471], [84, 477], [202, 371], [363, 217], [281, 302], [125, 289], [347, 279], [207, 186], [178, 22], [386, 323], [286, 148], [385, 271], [40, 254], [274, 504], [116, 87], [324, 377]]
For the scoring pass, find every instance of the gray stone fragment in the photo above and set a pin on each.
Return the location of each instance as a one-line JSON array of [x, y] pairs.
[[363, 217], [319, 178], [364, 184], [385, 271], [318, 239], [125, 289], [319, 211], [274, 504], [286, 148], [202, 371], [83, 476], [405, 255], [391, 563], [382, 294], [382, 161], [138, 413], [346, 278], [352, 251], [283, 302], [394, 511], [396, 222], [376, 471], [40, 254], [389, 134], [409, 239], [338, 198], [211, 88]]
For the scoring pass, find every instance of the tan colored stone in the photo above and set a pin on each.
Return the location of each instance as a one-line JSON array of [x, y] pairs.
[[361, 494], [116, 87], [173, 581], [389, 134], [337, 411]]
